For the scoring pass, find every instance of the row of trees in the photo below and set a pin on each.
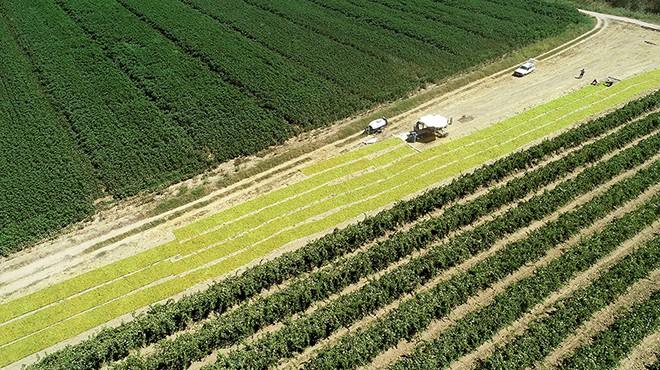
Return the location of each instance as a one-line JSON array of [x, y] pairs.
[[162, 320]]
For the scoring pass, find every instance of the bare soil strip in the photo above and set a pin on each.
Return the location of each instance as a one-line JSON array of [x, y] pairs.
[[638, 292], [602, 319], [405, 227], [646, 353]]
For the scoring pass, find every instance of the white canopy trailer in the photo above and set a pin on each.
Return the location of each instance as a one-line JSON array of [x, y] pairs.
[[376, 126], [432, 120], [430, 126]]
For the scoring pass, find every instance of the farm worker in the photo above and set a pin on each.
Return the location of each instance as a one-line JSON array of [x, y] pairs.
[[581, 73], [594, 82]]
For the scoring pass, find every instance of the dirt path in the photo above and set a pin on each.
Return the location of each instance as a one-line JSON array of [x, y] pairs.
[[602, 319], [482, 104], [645, 353]]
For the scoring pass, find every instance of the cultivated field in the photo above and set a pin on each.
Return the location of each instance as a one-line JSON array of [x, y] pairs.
[[152, 92], [547, 257], [565, 226]]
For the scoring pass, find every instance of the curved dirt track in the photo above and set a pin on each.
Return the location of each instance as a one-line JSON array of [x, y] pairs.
[[619, 49]]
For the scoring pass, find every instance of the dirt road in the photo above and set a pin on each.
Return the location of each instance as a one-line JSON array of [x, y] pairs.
[[621, 48]]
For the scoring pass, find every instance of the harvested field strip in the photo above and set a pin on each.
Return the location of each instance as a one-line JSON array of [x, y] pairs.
[[302, 333], [353, 162], [490, 137], [279, 195], [167, 268], [301, 294], [543, 335], [390, 188], [476, 327], [350, 156], [233, 289], [609, 347]]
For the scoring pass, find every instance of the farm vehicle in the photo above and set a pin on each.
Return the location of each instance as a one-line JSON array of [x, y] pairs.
[[429, 127], [376, 126]]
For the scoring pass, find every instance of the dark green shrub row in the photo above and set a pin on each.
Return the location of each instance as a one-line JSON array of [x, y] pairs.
[[162, 320], [227, 329], [609, 347], [477, 327], [542, 336], [347, 309], [414, 315], [46, 181]]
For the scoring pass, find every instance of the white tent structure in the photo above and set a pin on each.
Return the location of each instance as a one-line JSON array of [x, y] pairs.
[[432, 120]]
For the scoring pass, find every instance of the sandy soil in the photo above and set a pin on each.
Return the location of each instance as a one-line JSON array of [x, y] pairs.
[[619, 49]]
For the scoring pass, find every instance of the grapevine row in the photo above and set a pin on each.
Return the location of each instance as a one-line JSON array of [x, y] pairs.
[[346, 309], [162, 320], [302, 98], [477, 327], [219, 117], [226, 330], [46, 181], [607, 348], [111, 118], [414, 315], [541, 337]]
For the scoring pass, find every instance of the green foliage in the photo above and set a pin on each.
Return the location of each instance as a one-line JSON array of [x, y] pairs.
[[476, 327], [162, 320], [227, 329], [569, 313], [46, 182], [610, 346], [412, 316], [155, 91]]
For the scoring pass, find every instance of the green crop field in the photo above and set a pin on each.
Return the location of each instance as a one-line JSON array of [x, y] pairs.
[[497, 249], [141, 94], [340, 189]]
